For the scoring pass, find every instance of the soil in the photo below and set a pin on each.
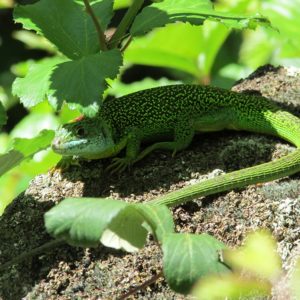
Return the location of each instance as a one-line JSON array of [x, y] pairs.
[[66, 272]]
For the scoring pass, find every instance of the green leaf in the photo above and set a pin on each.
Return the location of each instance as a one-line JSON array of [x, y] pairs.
[[28, 147], [34, 41], [66, 23], [117, 224], [85, 77], [191, 11], [231, 286], [10, 160], [35, 87], [159, 219], [23, 149], [58, 80], [258, 256], [82, 221], [195, 56], [188, 257], [125, 231], [3, 117]]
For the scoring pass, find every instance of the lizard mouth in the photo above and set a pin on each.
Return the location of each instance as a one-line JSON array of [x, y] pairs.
[[66, 147]]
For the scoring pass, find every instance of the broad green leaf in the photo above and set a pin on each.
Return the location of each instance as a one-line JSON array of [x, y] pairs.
[[22, 68], [191, 11], [66, 23], [10, 160], [117, 224], [82, 221], [35, 87], [16, 181], [188, 257], [85, 77], [231, 286], [23, 149], [28, 147], [3, 116], [258, 256], [285, 15], [159, 218], [195, 56], [125, 231], [34, 41], [58, 79]]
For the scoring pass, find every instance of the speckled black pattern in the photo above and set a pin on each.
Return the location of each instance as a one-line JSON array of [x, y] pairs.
[[160, 109]]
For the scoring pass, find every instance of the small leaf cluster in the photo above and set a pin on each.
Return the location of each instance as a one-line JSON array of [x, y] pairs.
[[87, 221], [257, 273]]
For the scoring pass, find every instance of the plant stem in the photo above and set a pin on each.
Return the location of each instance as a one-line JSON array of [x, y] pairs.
[[126, 44], [47, 246], [101, 36], [125, 23], [143, 286]]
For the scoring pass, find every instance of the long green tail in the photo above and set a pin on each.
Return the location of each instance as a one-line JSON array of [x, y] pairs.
[[279, 123]]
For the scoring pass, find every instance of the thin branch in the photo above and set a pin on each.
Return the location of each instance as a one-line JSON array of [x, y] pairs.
[[25, 255], [101, 36], [142, 286], [126, 44], [125, 23]]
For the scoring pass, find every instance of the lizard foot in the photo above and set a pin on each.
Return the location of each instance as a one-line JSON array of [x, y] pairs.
[[119, 164]]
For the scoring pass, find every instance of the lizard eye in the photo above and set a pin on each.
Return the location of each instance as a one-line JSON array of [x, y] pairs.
[[80, 132]]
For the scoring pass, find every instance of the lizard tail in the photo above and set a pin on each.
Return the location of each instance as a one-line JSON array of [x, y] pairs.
[[280, 123]]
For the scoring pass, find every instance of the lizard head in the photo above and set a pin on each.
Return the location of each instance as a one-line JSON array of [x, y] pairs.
[[89, 138]]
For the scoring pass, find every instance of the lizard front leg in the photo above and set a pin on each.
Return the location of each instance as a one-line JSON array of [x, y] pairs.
[[133, 142], [183, 135]]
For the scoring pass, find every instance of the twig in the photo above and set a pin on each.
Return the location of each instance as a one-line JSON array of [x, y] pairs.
[[125, 23], [142, 286], [101, 36], [33, 252], [126, 44]]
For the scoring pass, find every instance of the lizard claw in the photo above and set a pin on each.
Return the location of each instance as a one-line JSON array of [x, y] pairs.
[[118, 165]]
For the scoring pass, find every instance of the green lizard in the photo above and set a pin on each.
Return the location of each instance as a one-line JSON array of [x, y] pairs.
[[169, 117]]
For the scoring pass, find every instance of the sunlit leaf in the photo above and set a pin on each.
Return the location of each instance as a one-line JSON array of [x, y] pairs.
[[81, 221], [159, 219], [258, 256], [57, 79], [66, 24], [230, 286], [23, 149], [195, 56], [125, 231], [188, 257], [117, 224], [193, 12], [86, 77], [36, 86]]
